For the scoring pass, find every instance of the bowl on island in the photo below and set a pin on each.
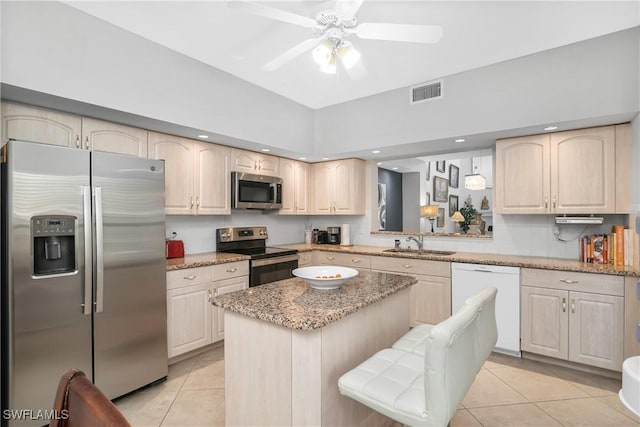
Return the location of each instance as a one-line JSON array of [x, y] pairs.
[[325, 276]]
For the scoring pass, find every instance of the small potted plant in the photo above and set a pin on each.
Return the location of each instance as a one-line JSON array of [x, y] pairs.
[[469, 214]]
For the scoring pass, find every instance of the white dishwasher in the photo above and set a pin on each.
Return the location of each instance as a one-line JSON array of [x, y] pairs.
[[469, 279]]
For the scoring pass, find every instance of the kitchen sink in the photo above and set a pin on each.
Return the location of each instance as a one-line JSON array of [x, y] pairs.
[[419, 251]]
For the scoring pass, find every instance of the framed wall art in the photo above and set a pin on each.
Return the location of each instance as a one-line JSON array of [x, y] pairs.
[[440, 165], [428, 172], [440, 220], [453, 176], [453, 204], [440, 189]]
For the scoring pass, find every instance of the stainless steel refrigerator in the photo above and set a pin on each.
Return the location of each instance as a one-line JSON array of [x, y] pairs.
[[83, 272]]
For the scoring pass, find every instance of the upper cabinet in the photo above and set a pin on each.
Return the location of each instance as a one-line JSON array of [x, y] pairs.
[[248, 161], [338, 187], [196, 175], [574, 172], [296, 187], [114, 138], [26, 123]]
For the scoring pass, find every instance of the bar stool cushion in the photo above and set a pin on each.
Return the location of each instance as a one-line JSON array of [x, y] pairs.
[[415, 340]]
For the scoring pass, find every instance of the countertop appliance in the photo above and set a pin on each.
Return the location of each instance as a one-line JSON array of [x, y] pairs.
[[468, 279], [83, 272], [333, 235], [267, 264], [323, 237], [250, 191]]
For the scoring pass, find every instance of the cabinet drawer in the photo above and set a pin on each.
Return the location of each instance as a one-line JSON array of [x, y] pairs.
[[356, 261], [231, 269], [188, 277], [328, 258], [305, 258], [411, 266], [572, 281]]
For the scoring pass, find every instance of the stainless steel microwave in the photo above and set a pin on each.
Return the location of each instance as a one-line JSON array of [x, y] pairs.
[[250, 191]]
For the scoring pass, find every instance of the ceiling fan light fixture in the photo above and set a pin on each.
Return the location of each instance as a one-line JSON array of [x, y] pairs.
[[329, 67], [323, 53], [348, 54]]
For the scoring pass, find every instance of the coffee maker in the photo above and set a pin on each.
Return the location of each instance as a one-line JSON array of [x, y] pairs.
[[334, 235]]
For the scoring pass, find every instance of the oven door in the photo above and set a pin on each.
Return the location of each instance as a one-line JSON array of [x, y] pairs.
[[269, 270]]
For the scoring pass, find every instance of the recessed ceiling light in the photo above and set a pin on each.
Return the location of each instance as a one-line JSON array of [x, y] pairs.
[[460, 140], [302, 158], [379, 163], [203, 136], [266, 150], [376, 151], [395, 169], [551, 128], [325, 158]]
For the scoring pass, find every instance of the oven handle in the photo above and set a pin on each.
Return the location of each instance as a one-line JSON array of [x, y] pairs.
[[274, 260]]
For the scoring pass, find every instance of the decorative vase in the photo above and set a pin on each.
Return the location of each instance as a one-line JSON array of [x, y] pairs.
[[477, 224]]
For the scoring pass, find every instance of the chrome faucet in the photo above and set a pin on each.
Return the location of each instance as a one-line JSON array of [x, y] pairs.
[[418, 241]]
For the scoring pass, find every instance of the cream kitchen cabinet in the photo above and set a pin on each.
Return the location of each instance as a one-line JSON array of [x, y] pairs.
[[344, 259], [296, 186], [431, 296], [337, 187], [305, 259], [196, 175], [188, 309], [573, 316], [49, 127], [98, 135], [27, 123], [251, 162], [569, 172], [192, 321]]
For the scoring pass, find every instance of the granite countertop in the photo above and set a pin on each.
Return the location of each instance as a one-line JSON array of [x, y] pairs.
[[478, 258], [203, 260], [293, 304]]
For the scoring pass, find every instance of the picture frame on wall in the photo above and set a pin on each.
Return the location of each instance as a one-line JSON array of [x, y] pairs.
[[440, 220], [428, 172], [427, 198], [453, 204], [453, 176], [440, 189], [440, 165]]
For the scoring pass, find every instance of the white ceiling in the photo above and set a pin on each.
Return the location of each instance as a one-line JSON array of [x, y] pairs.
[[476, 33]]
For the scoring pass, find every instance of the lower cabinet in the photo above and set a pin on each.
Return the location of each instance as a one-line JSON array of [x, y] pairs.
[[192, 321], [577, 317], [431, 296]]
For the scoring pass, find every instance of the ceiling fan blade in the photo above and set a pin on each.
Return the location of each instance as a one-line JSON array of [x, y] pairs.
[[348, 8], [400, 32], [273, 13], [292, 53]]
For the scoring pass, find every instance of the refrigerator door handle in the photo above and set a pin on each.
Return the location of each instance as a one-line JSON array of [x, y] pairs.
[[99, 251], [88, 265]]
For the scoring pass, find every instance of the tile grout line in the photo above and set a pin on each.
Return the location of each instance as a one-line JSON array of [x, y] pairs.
[[176, 396]]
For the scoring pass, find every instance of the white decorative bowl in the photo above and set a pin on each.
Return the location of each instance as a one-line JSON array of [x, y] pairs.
[[325, 276]]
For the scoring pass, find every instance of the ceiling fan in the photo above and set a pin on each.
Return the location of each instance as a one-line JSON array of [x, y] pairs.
[[331, 28]]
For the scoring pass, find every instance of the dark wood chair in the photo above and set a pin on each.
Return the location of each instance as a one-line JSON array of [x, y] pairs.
[[79, 402]]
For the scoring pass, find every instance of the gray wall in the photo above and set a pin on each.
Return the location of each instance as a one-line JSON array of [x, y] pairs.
[[55, 49], [595, 78], [411, 202]]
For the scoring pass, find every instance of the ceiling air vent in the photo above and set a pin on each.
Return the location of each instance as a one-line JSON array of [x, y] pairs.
[[426, 92]]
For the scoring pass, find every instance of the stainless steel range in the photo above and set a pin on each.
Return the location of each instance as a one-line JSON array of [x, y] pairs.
[[267, 264]]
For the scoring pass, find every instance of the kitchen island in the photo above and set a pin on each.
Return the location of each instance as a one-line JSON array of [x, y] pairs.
[[286, 345]]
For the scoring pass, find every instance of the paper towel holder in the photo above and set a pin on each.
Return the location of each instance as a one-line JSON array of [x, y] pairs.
[[345, 235]]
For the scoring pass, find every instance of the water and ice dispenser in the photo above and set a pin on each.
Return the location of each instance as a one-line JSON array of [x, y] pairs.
[[53, 244]]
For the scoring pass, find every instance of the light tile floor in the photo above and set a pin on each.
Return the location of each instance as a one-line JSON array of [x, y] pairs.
[[507, 392]]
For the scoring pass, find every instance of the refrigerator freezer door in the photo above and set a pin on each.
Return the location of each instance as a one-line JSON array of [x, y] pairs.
[[130, 319], [46, 330]]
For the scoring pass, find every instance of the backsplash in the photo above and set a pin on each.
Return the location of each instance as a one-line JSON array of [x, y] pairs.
[[528, 235]]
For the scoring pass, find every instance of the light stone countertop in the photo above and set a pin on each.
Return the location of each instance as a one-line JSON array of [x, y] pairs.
[[293, 304], [203, 260], [478, 258]]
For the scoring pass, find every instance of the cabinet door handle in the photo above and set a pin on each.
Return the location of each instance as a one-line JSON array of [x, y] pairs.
[[546, 201], [564, 305], [554, 202], [77, 141], [197, 202], [209, 292], [191, 202], [573, 306], [568, 281], [231, 270], [407, 265], [86, 142], [193, 276], [356, 261], [331, 258]]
